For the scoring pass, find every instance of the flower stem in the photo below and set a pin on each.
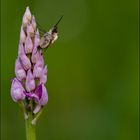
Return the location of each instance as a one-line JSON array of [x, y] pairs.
[[30, 128]]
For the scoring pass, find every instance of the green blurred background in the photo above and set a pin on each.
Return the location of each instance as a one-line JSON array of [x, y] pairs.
[[92, 69]]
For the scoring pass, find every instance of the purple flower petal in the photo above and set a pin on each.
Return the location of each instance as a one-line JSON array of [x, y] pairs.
[[19, 71], [30, 30], [31, 96], [38, 68], [27, 17], [25, 62], [22, 35], [28, 45], [24, 59], [17, 91], [38, 91], [44, 98], [35, 55], [21, 51], [33, 22], [37, 38], [30, 82], [43, 77]]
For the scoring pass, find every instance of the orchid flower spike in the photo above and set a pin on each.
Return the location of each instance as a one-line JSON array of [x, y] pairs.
[[28, 87]]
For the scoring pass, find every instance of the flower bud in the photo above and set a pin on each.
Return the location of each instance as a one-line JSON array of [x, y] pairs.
[[33, 22], [28, 45], [44, 98], [24, 59], [43, 77], [22, 35], [28, 13], [17, 91], [27, 16], [35, 55], [21, 49], [30, 30], [25, 62], [19, 71], [30, 82], [38, 68], [25, 21]]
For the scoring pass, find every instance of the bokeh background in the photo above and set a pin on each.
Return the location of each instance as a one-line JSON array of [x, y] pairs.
[[92, 69]]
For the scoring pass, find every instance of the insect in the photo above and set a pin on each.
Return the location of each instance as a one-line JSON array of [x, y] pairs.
[[49, 37]]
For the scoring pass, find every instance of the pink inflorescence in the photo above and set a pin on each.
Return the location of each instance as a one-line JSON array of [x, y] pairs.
[[31, 73]]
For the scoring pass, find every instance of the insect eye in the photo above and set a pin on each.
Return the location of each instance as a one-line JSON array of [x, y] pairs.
[[54, 30]]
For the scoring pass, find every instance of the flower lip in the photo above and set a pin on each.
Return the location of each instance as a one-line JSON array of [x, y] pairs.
[[38, 91], [31, 95], [36, 95]]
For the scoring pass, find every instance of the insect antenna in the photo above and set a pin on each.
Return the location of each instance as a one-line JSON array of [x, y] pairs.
[[58, 21], [55, 26]]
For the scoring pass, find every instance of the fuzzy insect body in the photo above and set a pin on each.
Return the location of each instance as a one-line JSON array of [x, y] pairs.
[[49, 37]]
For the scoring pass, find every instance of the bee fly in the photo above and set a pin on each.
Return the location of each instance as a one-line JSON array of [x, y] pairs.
[[49, 37]]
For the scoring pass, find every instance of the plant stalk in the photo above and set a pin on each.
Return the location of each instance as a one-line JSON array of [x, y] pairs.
[[30, 128]]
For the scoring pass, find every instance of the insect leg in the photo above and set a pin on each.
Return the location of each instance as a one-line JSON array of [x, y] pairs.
[[40, 27]]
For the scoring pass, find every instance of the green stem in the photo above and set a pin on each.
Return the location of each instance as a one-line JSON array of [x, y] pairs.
[[30, 128]]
